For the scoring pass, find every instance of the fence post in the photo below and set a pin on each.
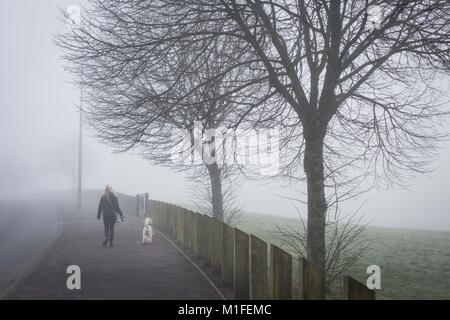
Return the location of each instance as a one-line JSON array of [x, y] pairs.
[[311, 281], [181, 222], [355, 290], [155, 210], [151, 207], [187, 228], [281, 273], [146, 206], [258, 269], [241, 285], [193, 244], [173, 223], [218, 247], [167, 219], [157, 213], [228, 255], [180, 230], [163, 216], [208, 241], [201, 236], [151, 211]]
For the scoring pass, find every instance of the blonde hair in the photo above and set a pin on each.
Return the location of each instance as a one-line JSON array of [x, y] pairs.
[[108, 189]]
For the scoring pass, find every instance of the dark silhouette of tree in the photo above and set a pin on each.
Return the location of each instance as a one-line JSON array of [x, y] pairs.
[[130, 114], [233, 210]]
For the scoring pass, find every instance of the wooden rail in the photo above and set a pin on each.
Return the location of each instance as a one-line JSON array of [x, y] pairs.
[[247, 265]]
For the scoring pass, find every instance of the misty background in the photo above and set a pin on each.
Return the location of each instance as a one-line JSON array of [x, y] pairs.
[[39, 139]]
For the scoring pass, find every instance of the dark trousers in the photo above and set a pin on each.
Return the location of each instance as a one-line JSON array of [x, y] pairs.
[[109, 222]]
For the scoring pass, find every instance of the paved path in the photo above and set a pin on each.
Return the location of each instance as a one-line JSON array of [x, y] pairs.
[[127, 271]]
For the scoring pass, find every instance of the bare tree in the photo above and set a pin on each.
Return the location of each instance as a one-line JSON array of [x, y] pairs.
[[202, 197], [346, 243], [349, 93], [127, 112]]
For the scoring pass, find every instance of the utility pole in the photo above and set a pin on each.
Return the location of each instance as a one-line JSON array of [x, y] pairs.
[[80, 153]]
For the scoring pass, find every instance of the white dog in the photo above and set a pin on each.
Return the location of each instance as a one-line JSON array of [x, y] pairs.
[[147, 232]]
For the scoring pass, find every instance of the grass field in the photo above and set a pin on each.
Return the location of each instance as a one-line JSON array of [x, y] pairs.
[[415, 264]]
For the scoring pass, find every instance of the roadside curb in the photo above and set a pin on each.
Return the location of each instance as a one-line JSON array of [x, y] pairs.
[[34, 261]]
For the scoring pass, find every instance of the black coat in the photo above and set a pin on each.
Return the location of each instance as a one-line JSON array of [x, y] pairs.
[[108, 208]]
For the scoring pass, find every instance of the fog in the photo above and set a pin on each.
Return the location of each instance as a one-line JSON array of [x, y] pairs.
[[39, 136]]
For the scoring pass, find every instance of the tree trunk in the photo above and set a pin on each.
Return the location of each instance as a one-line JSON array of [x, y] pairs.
[[216, 191], [317, 206]]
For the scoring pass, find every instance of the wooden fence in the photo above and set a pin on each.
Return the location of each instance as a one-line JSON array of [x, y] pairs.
[[247, 265]]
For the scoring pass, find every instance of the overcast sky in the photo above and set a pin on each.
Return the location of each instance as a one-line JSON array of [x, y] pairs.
[[38, 137]]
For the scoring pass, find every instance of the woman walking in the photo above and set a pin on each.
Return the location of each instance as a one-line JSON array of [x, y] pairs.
[[109, 207]]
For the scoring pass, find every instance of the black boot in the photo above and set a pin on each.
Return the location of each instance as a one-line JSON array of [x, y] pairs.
[[111, 244], [105, 242]]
